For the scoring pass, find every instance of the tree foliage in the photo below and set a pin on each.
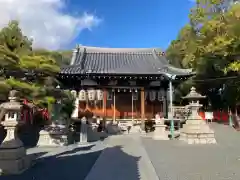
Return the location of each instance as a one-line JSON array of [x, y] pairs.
[[210, 44], [30, 72]]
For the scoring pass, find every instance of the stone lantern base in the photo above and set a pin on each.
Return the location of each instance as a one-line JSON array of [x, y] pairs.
[[160, 132], [13, 158], [197, 132]]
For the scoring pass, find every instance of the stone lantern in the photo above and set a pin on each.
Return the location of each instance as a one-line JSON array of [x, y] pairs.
[[196, 130], [13, 159], [160, 132]]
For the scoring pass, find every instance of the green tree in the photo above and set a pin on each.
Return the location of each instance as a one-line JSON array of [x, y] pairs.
[[210, 45], [24, 70]]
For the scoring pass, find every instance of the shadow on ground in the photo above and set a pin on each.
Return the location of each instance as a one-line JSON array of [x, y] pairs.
[[75, 164], [119, 165]]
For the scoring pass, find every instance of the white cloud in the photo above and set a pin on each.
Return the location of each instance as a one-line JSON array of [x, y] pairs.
[[45, 21]]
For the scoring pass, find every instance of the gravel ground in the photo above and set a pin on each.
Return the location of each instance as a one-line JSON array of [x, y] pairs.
[[63, 163], [175, 160]]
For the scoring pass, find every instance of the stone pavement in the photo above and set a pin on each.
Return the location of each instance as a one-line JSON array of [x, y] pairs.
[[124, 159], [70, 162], [130, 157], [176, 160]]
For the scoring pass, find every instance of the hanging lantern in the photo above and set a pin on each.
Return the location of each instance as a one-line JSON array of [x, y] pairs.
[[99, 95], [82, 95], [91, 94], [135, 96], [152, 95], [161, 95], [75, 111], [146, 95], [74, 93]]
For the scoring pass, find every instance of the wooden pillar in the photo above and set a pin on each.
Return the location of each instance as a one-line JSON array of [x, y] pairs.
[[114, 107], [104, 106], [142, 108]]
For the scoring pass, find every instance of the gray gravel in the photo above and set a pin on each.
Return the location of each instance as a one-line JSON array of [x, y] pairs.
[[175, 160], [63, 163]]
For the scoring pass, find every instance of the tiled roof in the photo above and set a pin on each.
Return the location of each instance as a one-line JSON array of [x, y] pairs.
[[132, 61]]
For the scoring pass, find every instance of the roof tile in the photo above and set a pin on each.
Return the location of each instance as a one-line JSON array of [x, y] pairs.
[[121, 61]]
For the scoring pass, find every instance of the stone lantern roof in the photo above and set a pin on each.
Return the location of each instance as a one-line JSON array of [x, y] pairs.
[[193, 95], [13, 104]]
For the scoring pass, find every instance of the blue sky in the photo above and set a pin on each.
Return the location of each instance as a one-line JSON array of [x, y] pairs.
[[133, 23]]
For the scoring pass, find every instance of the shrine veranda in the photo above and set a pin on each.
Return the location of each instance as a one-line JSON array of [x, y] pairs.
[[122, 83]]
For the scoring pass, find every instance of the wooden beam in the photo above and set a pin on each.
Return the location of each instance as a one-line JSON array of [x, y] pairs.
[[104, 102]]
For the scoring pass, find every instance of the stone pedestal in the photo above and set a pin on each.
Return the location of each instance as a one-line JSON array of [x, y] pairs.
[[53, 135], [13, 158], [197, 132], [160, 132]]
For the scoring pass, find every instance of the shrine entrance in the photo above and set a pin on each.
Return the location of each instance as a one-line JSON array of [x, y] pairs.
[[127, 105]]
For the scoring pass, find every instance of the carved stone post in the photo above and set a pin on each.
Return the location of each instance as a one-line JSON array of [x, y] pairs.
[[83, 131]]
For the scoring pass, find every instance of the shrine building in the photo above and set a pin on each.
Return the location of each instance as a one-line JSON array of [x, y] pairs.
[[122, 83]]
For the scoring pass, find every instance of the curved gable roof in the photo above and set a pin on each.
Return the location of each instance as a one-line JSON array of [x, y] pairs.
[[131, 61]]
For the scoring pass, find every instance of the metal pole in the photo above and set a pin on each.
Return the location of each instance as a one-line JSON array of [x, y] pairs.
[[230, 118], [171, 109], [132, 107]]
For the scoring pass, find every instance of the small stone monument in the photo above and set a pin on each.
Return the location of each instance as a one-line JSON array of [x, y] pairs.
[[53, 135], [13, 158], [83, 131], [56, 133], [196, 130], [160, 129], [92, 132]]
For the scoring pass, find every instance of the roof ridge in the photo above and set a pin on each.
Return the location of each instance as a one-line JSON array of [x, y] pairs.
[[110, 49], [119, 52]]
